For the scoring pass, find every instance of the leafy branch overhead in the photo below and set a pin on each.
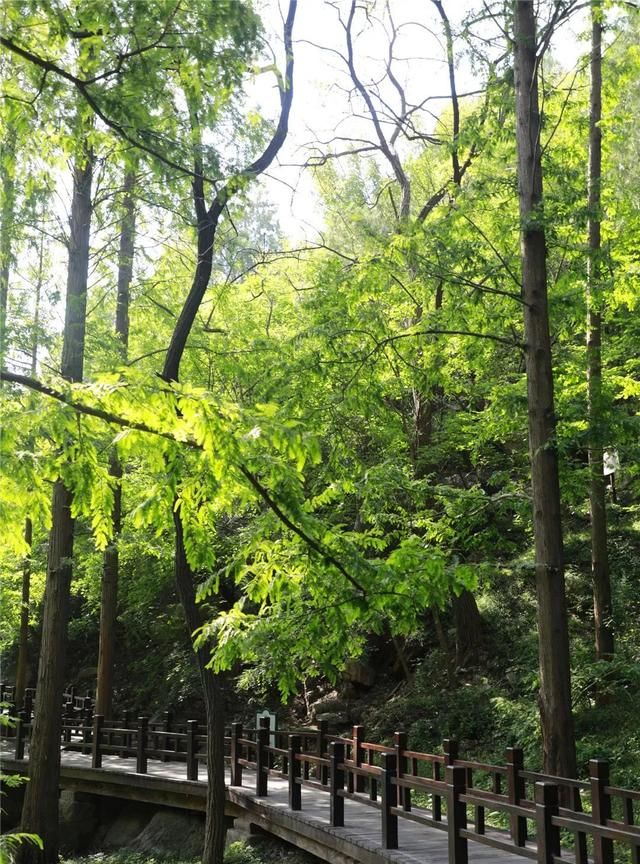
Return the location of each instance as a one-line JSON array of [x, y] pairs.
[[222, 460]]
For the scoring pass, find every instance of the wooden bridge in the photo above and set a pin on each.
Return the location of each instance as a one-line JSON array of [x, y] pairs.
[[348, 800]]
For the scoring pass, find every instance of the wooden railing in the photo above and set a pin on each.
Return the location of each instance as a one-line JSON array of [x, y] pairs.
[[529, 812]]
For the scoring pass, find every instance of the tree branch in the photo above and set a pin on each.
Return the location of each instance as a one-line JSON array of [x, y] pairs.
[[250, 476]]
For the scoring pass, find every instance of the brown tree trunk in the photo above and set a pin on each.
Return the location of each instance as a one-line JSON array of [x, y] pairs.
[[215, 829], [40, 810], [553, 633], [7, 227], [468, 623], [602, 605], [22, 668], [110, 566], [109, 602]]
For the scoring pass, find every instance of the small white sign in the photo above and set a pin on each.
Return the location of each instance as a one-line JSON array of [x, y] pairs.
[[611, 462], [273, 724]]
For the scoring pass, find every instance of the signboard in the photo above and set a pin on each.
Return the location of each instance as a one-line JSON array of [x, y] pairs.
[[273, 724], [611, 462]]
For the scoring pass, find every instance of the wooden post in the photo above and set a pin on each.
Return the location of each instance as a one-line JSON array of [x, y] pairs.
[[357, 735], [295, 787], [20, 733], [192, 750], [236, 754], [450, 750], [389, 800], [516, 793], [373, 783], [28, 705], [323, 772], [262, 741], [67, 723], [164, 742], [141, 748], [404, 794], [96, 752], [87, 726], [436, 807], [126, 739], [600, 809], [336, 799], [455, 778], [547, 834]]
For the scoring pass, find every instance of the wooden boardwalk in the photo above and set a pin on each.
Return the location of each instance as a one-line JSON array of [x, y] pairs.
[[358, 841], [346, 799]]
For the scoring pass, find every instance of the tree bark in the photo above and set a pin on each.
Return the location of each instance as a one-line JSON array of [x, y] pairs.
[[553, 633], [40, 809], [22, 667], [468, 623], [602, 604], [215, 829], [7, 227], [110, 566]]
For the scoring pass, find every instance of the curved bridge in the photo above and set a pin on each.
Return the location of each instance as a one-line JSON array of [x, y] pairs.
[[348, 800]]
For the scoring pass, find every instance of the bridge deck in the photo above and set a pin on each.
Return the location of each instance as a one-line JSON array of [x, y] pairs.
[[358, 841]]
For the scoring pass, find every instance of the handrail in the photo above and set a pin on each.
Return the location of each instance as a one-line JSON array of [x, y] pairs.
[[382, 777]]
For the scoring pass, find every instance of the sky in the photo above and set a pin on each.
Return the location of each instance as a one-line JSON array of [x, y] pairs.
[[325, 113], [322, 104]]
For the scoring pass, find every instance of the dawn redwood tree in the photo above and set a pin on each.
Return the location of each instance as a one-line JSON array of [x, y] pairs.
[[22, 665], [602, 603], [40, 810], [110, 565], [207, 220], [553, 634]]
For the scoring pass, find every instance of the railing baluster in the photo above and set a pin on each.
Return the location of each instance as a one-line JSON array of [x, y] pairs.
[[373, 783], [455, 777], [336, 801], [164, 740], [20, 734], [126, 740], [404, 794], [515, 793], [295, 788], [262, 739], [389, 800], [323, 772], [357, 784], [236, 754], [141, 749], [600, 809], [547, 834], [436, 800], [192, 750], [96, 752]]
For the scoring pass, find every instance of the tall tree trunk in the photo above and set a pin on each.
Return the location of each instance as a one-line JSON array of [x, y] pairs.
[[22, 669], [602, 605], [553, 633], [468, 623], [7, 228], [110, 566], [215, 829], [40, 810]]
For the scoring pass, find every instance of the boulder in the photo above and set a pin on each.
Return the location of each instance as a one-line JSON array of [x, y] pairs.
[[358, 672], [172, 834]]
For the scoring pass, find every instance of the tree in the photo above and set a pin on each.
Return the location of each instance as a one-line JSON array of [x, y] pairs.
[[109, 598], [40, 810], [553, 634], [602, 603]]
